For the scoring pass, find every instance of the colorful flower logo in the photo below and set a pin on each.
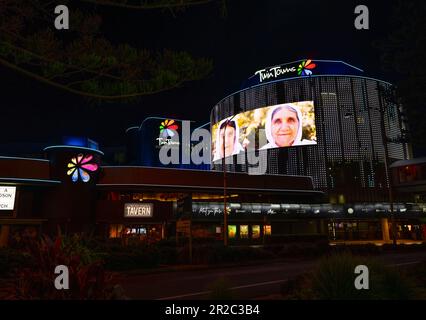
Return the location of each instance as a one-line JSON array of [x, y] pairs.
[[166, 128], [79, 166], [303, 69]]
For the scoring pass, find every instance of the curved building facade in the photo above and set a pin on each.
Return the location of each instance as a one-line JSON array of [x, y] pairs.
[[359, 125]]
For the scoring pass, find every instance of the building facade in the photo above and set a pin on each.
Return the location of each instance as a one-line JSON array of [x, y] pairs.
[[333, 185], [360, 131], [355, 117]]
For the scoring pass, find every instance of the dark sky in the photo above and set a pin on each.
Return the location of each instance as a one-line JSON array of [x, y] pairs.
[[253, 35]]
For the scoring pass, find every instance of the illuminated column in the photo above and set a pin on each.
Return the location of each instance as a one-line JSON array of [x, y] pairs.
[[385, 229], [71, 206]]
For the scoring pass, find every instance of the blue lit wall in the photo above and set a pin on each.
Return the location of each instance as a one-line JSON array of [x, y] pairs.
[[144, 144]]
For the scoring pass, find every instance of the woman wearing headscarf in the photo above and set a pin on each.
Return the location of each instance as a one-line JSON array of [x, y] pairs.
[[232, 145], [284, 127]]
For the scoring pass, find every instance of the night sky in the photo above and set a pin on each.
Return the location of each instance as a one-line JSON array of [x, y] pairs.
[[253, 35]]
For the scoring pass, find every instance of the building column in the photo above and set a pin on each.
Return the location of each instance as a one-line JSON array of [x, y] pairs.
[[4, 235], [385, 229]]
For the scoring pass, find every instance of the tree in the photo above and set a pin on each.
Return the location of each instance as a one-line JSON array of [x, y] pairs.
[[82, 61], [404, 53]]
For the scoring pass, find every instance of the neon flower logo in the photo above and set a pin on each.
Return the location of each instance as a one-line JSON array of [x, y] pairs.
[[304, 68], [79, 167], [166, 128]]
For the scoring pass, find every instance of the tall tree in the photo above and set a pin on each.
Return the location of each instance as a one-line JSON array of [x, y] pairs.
[[85, 62], [404, 52]]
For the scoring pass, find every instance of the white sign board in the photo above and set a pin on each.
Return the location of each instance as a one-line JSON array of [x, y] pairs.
[[138, 210], [7, 198]]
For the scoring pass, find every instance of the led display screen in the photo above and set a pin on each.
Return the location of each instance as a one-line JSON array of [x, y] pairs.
[[232, 231], [267, 231], [244, 231], [255, 230], [277, 126]]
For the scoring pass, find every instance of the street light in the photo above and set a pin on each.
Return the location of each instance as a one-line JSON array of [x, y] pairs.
[[225, 214]]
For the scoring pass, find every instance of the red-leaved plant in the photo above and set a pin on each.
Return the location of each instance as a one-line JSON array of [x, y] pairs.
[[87, 280]]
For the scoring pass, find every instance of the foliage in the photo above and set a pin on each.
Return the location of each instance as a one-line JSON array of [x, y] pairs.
[[405, 45], [334, 278], [87, 280], [132, 257], [82, 60], [10, 260]]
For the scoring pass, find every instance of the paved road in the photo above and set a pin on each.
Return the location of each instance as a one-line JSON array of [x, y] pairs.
[[247, 282]]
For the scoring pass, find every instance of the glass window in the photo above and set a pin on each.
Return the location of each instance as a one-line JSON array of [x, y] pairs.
[[115, 230], [267, 231], [244, 231], [255, 231], [232, 231]]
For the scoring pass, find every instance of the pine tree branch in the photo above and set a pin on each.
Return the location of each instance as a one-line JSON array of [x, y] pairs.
[[149, 6], [83, 93]]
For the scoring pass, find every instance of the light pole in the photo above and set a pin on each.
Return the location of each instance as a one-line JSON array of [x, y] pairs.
[[225, 214], [388, 175], [387, 95]]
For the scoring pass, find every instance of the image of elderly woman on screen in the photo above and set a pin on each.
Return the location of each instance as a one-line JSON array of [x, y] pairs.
[[284, 127], [232, 146]]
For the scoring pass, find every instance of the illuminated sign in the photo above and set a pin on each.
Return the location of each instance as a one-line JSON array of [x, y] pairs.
[[215, 209], [168, 130], [80, 166], [267, 231], [298, 69], [304, 69], [232, 231], [7, 198], [244, 231], [255, 231], [138, 210], [277, 126]]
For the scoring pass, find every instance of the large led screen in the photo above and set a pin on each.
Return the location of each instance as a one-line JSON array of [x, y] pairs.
[[277, 126]]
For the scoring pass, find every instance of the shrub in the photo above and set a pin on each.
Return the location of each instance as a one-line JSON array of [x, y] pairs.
[[167, 255], [357, 249], [132, 257], [334, 279], [87, 280], [303, 250], [11, 259]]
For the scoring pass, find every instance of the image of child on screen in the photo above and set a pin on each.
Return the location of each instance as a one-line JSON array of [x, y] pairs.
[[232, 146], [284, 127]]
